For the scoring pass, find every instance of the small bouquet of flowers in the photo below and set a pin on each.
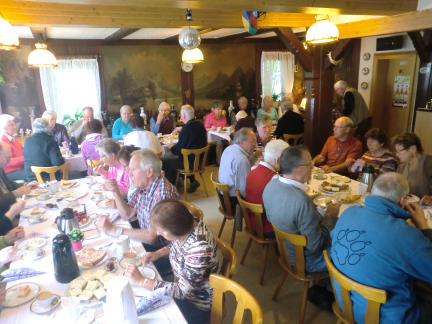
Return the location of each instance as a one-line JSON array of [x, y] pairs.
[[76, 237]]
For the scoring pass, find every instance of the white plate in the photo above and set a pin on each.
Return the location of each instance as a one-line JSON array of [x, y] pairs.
[[28, 212], [29, 257], [36, 221], [323, 202], [106, 257], [75, 184], [412, 199], [33, 242], [147, 272], [12, 299], [35, 308]]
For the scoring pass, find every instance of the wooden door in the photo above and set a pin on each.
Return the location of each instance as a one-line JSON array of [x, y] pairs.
[[392, 97]]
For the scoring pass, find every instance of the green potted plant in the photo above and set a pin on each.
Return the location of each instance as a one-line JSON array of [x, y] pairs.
[[76, 237], [68, 120]]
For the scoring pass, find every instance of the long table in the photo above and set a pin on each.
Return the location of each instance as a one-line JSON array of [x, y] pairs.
[[22, 314]]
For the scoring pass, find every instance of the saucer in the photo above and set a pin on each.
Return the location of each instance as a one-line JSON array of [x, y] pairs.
[[35, 308], [36, 221], [124, 264]]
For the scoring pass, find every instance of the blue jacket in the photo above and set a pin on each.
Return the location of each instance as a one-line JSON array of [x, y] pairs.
[[373, 245]]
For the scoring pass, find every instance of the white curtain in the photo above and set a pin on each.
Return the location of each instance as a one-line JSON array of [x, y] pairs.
[[71, 86], [277, 73]]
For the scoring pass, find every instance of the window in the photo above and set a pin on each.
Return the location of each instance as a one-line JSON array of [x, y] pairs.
[[277, 73], [71, 86]]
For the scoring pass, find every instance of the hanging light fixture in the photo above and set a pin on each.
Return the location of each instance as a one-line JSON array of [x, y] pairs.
[[8, 38], [192, 56], [41, 57], [322, 32]]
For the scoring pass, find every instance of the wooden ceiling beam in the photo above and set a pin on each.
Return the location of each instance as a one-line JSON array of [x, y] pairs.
[[410, 21], [120, 34], [290, 40], [419, 45], [352, 7]]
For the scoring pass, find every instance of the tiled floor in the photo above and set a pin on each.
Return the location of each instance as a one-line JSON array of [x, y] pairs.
[[287, 307]]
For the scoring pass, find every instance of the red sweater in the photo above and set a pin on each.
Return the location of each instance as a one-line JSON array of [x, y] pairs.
[[255, 184], [17, 157]]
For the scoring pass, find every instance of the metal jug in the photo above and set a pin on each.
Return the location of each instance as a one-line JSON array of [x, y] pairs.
[[67, 221], [368, 177]]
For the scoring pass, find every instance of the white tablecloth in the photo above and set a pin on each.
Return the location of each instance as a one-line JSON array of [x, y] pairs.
[[213, 136], [22, 314]]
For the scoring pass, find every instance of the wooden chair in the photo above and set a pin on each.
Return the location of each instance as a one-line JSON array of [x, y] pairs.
[[229, 258], [293, 139], [225, 207], [255, 210], [193, 209], [299, 272], [51, 171], [198, 167], [375, 296], [93, 163], [245, 300]]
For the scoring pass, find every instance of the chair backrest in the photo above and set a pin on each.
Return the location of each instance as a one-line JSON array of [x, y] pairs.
[[375, 296], [51, 171], [193, 209], [229, 258], [245, 300], [293, 139], [299, 242], [252, 210], [222, 193], [200, 159], [93, 163]]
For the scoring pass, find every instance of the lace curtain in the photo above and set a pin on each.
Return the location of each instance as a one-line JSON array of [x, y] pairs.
[[71, 86], [277, 73]]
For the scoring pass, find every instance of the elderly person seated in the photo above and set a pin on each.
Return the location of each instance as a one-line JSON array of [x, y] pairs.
[[243, 120], [88, 146], [268, 109], [389, 253], [263, 132], [415, 165], [193, 257], [236, 163], [122, 126], [215, 119], [290, 122], [15, 168], [58, 131], [41, 150], [78, 128], [260, 176], [340, 150], [8, 216], [162, 122], [108, 149], [378, 154], [142, 138]]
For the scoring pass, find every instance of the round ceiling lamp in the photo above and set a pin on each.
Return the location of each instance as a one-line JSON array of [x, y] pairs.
[[41, 57], [192, 56], [8, 38], [322, 32], [189, 38]]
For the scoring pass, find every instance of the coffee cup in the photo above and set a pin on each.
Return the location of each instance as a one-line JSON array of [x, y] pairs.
[[218, 129], [32, 253], [44, 195], [98, 196], [52, 187], [45, 298], [123, 244], [89, 180], [130, 257]]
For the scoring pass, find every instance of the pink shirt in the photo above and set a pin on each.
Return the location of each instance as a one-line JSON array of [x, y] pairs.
[[119, 174], [212, 121]]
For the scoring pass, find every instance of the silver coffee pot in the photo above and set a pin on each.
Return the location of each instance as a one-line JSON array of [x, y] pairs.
[[67, 221], [368, 177]]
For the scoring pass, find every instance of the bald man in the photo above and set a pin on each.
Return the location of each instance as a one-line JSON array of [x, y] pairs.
[[162, 122]]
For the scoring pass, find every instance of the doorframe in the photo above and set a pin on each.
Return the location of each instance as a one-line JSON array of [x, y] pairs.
[[413, 82]]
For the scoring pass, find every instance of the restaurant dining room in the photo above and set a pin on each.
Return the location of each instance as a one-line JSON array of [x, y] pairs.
[[215, 161]]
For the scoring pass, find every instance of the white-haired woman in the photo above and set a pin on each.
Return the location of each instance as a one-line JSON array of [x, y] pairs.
[[122, 126], [41, 150], [15, 168], [58, 131]]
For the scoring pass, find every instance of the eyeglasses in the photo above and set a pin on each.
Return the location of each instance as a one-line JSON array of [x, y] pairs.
[[397, 152], [339, 126]]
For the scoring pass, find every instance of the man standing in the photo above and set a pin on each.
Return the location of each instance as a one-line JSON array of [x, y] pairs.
[[57, 131], [340, 150], [290, 122], [15, 167], [290, 209], [193, 135], [78, 129], [163, 122], [374, 245]]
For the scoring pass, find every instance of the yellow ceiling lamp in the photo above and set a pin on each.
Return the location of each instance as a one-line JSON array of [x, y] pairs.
[[192, 56], [8, 38], [41, 56], [322, 32]]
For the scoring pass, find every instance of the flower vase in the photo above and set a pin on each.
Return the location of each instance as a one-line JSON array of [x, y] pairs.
[[77, 245]]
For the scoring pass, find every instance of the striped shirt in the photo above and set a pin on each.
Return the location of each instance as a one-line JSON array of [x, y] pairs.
[[144, 200], [192, 263], [384, 163]]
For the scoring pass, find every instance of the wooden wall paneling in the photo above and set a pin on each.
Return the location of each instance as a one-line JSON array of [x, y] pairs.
[[187, 86]]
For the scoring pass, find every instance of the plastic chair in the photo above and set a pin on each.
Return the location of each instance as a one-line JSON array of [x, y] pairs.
[[51, 171], [298, 272], [93, 163], [198, 167], [225, 207], [193, 209], [255, 210], [229, 258], [375, 296], [245, 300], [296, 138]]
